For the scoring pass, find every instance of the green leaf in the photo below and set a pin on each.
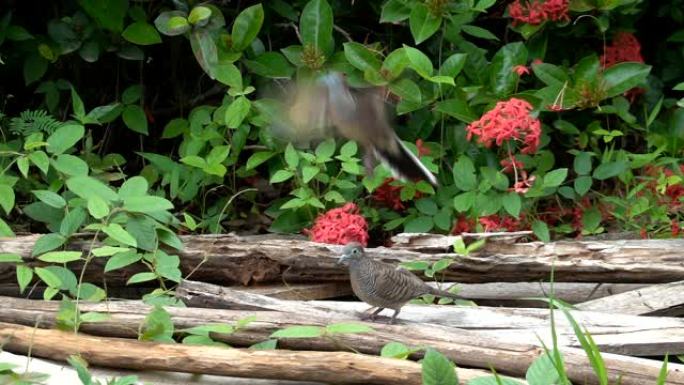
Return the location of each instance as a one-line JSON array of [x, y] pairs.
[[60, 256], [41, 160], [133, 187], [479, 32], [610, 169], [265, 345], [361, 57], [86, 187], [291, 156], [427, 206], [118, 233], [348, 328], [406, 89], [246, 26], [395, 350], [622, 77], [550, 74], [423, 23], [121, 260], [47, 276], [237, 112], [555, 177], [106, 251], [204, 49], [542, 371], [95, 317], [349, 149], [309, 172], [23, 165], [64, 138], [394, 11], [503, 78], [205, 330], [299, 332], [77, 105], [583, 184], [199, 15], [6, 198], [419, 62], [229, 74], [141, 277], [281, 176], [50, 198], [464, 174], [463, 202], [512, 203], [47, 242], [258, 158], [541, 230], [453, 65], [271, 65], [194, 161], [437, 369], [70, 165], [5, 230], [10, 257], [24, 276], [109, 14], [316, 26], [158, 326], [35, 67], [172, 23], [582, 163], [134, 117], [146, 204], [141, 33], [72, 221], [421, 224]]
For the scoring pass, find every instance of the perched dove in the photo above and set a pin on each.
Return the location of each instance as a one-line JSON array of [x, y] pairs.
[[383, 285]]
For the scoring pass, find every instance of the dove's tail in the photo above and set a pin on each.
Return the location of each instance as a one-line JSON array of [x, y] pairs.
[[404, 164], [443, 293]]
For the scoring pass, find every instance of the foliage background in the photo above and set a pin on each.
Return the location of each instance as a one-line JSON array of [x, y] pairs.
[[141, 120]]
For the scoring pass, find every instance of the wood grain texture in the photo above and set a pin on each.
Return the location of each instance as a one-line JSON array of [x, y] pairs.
[[666, 298]]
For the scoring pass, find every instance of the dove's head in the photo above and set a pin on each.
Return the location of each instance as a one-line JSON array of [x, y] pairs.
[[351, 252]]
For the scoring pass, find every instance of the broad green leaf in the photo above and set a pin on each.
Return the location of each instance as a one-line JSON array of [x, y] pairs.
[[281, 176], [480, 32], [512, 203], [133, 187], [316, 26], [550, 74], [258, 158], [118, 233], [457, 108], [237, 112], [141, 277], [348, 328], [464, 174], [291, 156], [542, 371], [502, 78], [10, 257], [421, 224], [132, 94], [172, 23], [109, 14], [437, 369], [50, 198], [6, 198], [610, 169], [423, 23], [35, 67], [583, 184], [361, 57], [47, 242], [5, 230], [205, 330], [427, 206], [582, 163], [418, 61], [463, 202], [95, 317], [146, 204], [106, 251], [204, 49], [453, 65], [86, 187], [271, 65], [47, 276], [299, 332], [555, 177], [121, 260], [23, 165], [228, 74], [135, 119], [406, 89], [394, 11], [622, 77], [41, 160], [199, 15], [158, 326], [64, 138], [541, 230], [60, 256], [141, 33], [309, 172], [395, 350], [24, 277], [72, 221], [70, 165], [246, 26], [394, 64]]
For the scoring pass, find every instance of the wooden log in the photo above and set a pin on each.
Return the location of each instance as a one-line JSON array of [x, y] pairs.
[[230, 259], [300, 291], [666, 298], [344, 367], [517, 294], [467, 348], [60, 374]]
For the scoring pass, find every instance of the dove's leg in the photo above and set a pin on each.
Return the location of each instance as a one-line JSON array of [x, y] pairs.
[[394, 317], [373, 314]]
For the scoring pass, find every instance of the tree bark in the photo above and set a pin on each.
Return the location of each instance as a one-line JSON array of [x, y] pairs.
[[231, 259], [466, 348], [666, 298]]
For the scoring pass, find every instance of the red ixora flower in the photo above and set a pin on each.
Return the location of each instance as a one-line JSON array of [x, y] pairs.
[[495, 223], [538, 11], [463, 225], [389, 195], [521, 70], [508, 120], [625, 47], [422, 149], [340, 226]]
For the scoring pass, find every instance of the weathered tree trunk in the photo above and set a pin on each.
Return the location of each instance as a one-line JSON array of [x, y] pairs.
[[467, 348], [230, 259], [666, 298], [343, 367]]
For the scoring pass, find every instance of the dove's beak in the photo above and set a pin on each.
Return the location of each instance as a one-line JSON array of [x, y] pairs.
[[343, 259]]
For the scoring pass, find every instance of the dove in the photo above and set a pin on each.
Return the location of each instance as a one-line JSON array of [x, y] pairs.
[[383, 285], [328, 107]]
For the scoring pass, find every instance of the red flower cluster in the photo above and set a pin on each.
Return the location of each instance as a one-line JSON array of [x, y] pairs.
[[625, 47], [538, 11], [422, 149], [496, 223], [462, 225], [340, 226], [389, 195], [510, 163], [508, 120]]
